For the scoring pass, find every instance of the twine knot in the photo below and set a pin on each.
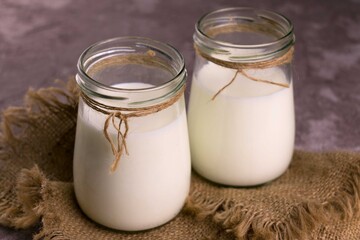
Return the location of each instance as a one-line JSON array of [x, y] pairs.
[[118, 118], [240, 67]]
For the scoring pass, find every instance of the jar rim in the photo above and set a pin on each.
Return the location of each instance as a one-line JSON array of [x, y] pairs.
[[255, 52], [107, 90], [228, 44]]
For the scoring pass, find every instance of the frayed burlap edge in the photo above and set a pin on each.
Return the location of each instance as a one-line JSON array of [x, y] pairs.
[[43, 208], [33, 190], [21, 195], [299, 223], [24, 212]]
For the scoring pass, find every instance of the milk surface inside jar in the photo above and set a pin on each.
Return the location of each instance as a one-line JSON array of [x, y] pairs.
[[241, 110], [151, 182]]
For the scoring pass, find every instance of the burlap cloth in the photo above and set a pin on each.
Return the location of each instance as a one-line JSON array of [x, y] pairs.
[[317, 198]]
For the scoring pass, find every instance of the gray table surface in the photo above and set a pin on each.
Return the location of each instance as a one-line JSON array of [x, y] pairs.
[[40, 40]]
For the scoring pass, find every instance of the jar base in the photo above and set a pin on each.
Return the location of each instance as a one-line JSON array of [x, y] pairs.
[[133, 229], [238, 183]]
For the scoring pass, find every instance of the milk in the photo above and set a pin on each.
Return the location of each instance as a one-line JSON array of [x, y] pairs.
[[150, 185], [245, 136]]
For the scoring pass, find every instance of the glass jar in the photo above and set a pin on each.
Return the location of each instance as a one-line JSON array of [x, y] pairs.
[[241, 109], [132, 159]]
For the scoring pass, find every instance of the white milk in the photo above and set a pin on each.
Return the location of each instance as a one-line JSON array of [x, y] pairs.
[[150, 185], [246, 135]]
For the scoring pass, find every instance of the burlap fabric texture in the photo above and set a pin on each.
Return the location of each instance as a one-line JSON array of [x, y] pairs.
[[317, 198]]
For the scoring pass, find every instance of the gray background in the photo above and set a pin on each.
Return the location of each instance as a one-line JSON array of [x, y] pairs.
[[40, 40]]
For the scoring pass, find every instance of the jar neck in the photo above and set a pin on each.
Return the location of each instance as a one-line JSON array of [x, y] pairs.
[[244, 35], [131, 72]]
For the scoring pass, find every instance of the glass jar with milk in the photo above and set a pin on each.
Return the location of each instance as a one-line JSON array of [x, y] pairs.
[[132, 159], [241, 110]]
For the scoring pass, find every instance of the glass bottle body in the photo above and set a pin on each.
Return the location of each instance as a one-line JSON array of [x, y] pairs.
[[242, 133], [151, 182]]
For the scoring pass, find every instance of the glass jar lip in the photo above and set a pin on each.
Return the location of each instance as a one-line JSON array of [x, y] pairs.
[[243, 46], [180, 73]]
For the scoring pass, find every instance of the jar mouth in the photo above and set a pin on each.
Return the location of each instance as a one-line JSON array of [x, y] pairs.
[[278, 28], [166, 55]]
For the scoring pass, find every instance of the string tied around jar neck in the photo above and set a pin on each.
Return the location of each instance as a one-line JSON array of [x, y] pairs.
[[123, 115], [241, 67]]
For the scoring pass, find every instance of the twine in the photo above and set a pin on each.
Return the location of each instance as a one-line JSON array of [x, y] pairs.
[[119, 147], [113, 113], [242, 66]]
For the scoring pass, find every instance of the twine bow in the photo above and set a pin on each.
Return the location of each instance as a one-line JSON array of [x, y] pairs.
[[119, 146]]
